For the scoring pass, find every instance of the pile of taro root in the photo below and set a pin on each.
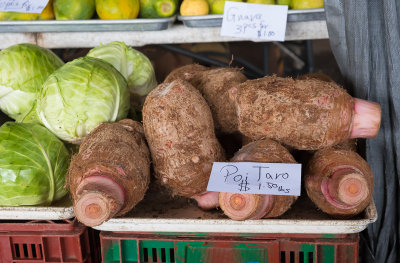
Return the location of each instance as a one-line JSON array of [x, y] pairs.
[[195, 111]]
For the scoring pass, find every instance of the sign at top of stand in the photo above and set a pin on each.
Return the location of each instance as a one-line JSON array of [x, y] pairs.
[[23, 6], [254, 21]]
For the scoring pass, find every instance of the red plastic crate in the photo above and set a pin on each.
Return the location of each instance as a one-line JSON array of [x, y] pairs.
[[262, 248], [45, 241]]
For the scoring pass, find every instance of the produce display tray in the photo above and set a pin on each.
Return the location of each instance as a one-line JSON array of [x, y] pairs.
[[160, 213], [216, 20], [92, 25], [60, 210]]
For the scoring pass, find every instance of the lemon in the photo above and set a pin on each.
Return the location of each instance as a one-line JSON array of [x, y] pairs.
[[306, 4], [47, 13], [217, 6], [262, 2], [194, 8], [117, 9]]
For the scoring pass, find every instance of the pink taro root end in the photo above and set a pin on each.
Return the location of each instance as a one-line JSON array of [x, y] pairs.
[[99, 199], [366, 119], [345, 189], [245, 206], [208, 200]]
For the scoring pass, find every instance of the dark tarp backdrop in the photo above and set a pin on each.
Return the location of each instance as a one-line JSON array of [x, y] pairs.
[[365, 39]]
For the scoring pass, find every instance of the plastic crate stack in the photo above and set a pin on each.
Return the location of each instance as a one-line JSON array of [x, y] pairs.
[[47, 241]]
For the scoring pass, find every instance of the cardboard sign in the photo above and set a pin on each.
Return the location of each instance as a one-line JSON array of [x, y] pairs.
[[23, 6], [254, 21], [256, 178]]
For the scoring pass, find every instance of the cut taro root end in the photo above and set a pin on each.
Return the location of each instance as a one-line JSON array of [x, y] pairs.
[[99, 198], [244, 206], [93, 208], [237, 201], [366, 119], [345, 189], [353, 189]]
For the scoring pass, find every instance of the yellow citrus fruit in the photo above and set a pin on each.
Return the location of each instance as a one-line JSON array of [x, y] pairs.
[[47, 13], [194, 8], [306, 4], [262, 2], [117, 9], [18, 16], [218, 6]]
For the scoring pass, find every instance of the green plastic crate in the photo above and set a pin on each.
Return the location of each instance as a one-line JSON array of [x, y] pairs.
[[130, 248]]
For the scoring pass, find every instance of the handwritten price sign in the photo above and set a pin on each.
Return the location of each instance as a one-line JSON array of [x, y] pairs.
[[254, 21], [23, 6], [256, 178]]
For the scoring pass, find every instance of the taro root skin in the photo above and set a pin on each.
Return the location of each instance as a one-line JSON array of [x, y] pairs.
[[214, 85], [189, 73], [180, 132], [307, 114]]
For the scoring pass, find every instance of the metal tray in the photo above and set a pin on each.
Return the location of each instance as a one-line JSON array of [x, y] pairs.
[[61, 209], [160, 213], [297, 15], [93, 25]]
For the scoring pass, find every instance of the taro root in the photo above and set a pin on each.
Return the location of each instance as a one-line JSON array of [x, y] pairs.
[[180, 132], [111, 172], [207, 200], [307, 114], [339, 182], [214, 84], [239, 206], [189, 73]]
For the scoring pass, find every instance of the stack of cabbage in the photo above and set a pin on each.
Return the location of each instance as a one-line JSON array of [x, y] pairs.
[[70, 100]]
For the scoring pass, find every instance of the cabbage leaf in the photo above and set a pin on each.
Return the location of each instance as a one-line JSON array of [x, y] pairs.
[[33, 165], [23, 70]]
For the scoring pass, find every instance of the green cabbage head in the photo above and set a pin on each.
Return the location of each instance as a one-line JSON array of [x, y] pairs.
[[23, 69], [133, 65], [80, 95], [33, 165]]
